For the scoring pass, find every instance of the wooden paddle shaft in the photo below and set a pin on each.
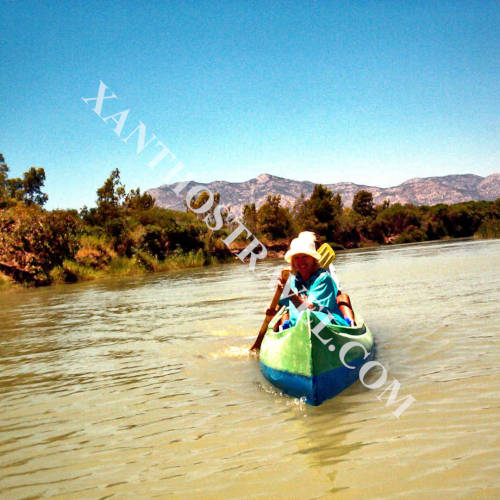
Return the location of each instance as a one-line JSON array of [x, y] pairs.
[[285, 273]]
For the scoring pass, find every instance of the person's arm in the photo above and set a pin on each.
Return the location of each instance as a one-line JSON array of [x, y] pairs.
[[284, 298], [297, 300], [323, 292], [289, 295]]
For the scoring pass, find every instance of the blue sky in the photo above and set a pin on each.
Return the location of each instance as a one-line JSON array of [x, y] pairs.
[[373, 92]]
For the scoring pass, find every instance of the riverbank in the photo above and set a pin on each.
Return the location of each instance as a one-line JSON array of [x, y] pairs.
[[6, 282], [71, 272]]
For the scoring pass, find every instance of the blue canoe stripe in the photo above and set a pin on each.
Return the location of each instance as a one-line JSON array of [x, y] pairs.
[[318, 388]]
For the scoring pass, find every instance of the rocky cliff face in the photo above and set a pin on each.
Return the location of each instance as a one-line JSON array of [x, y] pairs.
[[419, 191]]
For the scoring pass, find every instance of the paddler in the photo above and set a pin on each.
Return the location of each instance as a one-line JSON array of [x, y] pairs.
[[309, 286]]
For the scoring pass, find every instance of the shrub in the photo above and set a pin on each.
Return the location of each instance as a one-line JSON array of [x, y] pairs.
[[155, 241], [146, 261], [32, 242], [73, 271], [490, 228], [95, 251], [411, 235], [123, 266]]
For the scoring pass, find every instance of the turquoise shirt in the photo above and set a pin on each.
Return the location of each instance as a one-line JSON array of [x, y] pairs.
[[320, 289]]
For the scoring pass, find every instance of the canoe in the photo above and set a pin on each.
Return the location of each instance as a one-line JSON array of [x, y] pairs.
[[315, 361]]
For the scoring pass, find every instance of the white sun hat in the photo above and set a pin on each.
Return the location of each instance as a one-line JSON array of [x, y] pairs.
[[304, 243], [307, 234]]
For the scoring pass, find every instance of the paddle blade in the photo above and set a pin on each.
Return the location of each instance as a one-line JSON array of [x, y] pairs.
[[327, 255]]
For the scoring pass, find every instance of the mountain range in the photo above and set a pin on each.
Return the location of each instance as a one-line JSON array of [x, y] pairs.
[[419, 191]]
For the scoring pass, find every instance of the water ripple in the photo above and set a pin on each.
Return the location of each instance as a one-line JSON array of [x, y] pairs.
[[144, 386]]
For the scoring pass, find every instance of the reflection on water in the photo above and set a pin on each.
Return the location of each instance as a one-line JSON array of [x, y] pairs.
[[143, 386]]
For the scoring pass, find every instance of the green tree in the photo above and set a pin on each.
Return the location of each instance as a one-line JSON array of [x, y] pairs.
[[110, 195], [396, 218], [203, 198], [362, 203], [15, 189], [319, 213], [350, 227], [110, 214], [32, 184], [134, 200], [302, 212], [250, 217], [274, 220], [27, 190], [4, 169]]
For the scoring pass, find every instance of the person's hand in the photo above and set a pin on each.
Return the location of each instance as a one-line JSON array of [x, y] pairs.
[[270, 312], [281, 283]]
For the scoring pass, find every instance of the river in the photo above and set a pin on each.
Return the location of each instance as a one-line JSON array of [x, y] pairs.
[[142, 387]]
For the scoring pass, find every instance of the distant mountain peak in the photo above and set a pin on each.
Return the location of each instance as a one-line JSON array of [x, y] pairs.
[[264, 177], [269, 178], [419, 191]]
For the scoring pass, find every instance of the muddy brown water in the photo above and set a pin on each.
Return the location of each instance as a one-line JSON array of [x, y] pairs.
[[143, 388]]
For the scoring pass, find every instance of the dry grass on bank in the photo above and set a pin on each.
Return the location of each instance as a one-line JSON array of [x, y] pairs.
[[141, 263]]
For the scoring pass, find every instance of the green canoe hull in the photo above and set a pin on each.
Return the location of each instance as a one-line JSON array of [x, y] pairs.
[[315, 361]]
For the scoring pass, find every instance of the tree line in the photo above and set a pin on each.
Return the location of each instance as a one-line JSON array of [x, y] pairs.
[[366, 224], [126, 233]]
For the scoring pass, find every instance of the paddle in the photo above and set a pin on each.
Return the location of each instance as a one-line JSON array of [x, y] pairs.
[[277, 294], [327, 257]]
